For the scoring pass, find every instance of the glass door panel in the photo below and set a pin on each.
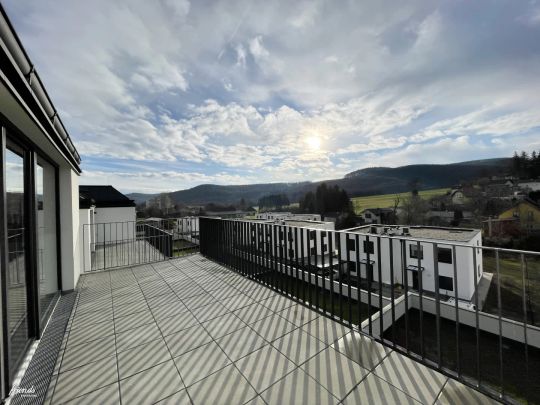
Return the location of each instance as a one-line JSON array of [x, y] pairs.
[[46, 236], [17, 311]]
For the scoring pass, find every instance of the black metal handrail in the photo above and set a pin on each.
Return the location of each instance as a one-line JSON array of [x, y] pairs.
[[433, 306], [118, 244]]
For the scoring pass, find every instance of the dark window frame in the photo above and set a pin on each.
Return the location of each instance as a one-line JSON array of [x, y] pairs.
[[369, 247], [444, 255], [413, 253], [446, 283]]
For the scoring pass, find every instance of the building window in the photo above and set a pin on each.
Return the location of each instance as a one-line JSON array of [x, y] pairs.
[[312, 235], [351, 267], [291, 253], [446, 283], [324, 247], [280, 235], [367, 215], [313, 251], [530, 215], [351, 245], [369, 247], [413, 252], [444, 255]]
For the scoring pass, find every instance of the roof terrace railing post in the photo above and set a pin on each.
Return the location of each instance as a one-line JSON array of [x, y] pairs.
[[303, 265], [309, 268], [420, 274], [316, 290], [281, 280], [340, 282], [358, 285], [437, 306], [525, 317], [322, 275], [349, 289], [406, 288], [331, 277], [296, 251], [456, 298], [369, 274], [273, 278], [392, 292], [499, 318], [477, 317], [379, 274]]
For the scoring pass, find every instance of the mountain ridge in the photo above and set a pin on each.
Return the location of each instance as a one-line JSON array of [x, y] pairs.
[[367, 181]]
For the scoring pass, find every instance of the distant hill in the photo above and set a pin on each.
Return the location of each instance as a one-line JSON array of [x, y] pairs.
[[369, 181], [140, 198]]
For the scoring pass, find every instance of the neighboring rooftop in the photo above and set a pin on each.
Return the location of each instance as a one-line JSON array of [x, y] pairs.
[[422, 232], [102, 197], [305, 223]]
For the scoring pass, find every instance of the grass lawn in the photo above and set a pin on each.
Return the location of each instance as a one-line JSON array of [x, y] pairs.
[[512, 287], [387, 200], [515, 382]]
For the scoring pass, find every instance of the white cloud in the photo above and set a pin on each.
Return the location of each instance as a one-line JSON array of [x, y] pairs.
[[235, 91]]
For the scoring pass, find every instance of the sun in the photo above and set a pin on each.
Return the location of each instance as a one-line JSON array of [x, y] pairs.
[[313, 142]]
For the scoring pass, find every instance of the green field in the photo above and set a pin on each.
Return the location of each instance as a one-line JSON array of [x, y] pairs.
[[387, 200]]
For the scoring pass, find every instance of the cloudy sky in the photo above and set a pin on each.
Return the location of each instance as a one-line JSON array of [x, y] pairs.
[[165, 95]]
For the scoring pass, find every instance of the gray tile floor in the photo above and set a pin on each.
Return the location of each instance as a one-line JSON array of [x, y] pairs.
[[189, 331]]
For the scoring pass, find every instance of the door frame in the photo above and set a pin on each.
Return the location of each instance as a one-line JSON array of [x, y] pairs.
[[36, 321]]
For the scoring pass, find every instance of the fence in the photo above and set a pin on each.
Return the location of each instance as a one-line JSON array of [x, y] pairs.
[[117, 244], [439, 302]]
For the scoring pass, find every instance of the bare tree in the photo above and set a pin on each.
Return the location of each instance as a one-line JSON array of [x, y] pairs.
[[397, 199], [414, 210]]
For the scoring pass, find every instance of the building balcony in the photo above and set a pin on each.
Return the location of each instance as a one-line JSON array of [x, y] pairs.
[[190, 330]]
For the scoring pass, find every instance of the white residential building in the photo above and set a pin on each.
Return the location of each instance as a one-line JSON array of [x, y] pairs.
[[187, 228], [288, 215], [434, 245], [309, 242], [106, 217]]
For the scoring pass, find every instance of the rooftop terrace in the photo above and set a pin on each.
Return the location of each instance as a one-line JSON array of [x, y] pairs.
[[189, 330]]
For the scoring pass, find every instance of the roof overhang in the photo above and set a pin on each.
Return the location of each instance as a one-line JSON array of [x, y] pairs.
[[19, 76]]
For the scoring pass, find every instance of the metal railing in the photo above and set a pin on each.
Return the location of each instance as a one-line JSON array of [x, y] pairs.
[[117, 244], [469, 311]]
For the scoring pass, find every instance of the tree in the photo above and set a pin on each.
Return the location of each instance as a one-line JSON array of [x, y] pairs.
[[414, 210], [326, 199], [273, 201], [397, 199]]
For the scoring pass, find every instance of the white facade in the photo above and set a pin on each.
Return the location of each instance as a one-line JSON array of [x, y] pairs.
[[114, 224], [530, 185], [395, 244], [310, 241], [187, 228]]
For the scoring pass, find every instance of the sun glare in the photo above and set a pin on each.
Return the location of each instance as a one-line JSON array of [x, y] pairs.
[[313, 142]]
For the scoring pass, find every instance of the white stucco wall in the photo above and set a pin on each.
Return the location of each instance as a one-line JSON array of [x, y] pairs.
[[114, 224], [69, 225]]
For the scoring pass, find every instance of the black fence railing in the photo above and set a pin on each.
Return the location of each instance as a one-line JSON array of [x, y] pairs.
[[117, 244], [469, 311]]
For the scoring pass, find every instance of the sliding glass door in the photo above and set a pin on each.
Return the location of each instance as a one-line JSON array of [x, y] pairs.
[[29, 252], [46, 236], [16, 273]]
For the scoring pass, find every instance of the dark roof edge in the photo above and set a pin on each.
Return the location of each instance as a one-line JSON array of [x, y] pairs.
[[11, 41]]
